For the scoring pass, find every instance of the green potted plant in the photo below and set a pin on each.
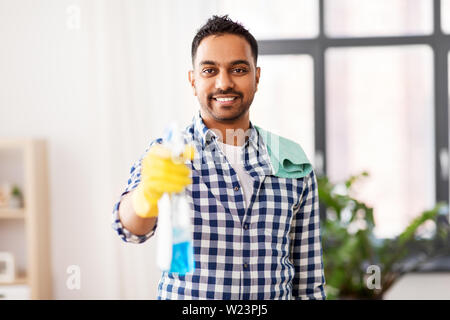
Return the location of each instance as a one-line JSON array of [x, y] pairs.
[[16, 200], [350, 246]]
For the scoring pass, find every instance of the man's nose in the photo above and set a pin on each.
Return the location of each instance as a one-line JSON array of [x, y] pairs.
[[224, 81]]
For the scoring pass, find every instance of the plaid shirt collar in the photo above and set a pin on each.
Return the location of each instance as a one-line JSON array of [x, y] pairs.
[[256, 157], [206, 136]]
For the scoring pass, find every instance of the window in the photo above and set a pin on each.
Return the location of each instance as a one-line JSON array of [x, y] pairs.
[[362, 18], [379, 101], [380, 120], [445, 16], [284, 102]]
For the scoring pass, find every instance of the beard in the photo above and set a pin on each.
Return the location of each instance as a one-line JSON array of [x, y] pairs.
[[226, 113]]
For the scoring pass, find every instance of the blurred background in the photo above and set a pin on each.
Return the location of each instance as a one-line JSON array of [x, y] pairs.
[[362, 85]]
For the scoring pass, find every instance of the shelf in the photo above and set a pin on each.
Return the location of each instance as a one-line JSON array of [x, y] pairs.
[[12, 213], [18, 281], [25, 162]]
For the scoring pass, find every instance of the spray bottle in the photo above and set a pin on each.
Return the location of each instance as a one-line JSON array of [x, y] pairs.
[[174, 249]]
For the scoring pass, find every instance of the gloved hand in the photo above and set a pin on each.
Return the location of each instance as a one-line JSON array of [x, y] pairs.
[[160, 174]]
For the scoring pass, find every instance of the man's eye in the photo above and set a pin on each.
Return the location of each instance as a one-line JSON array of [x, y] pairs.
[[240, 70], [209, 70]]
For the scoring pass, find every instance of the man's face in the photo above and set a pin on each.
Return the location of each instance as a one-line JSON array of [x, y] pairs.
[[225, 77]]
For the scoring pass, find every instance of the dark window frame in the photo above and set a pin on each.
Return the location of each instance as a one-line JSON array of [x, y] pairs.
[[316, 47]]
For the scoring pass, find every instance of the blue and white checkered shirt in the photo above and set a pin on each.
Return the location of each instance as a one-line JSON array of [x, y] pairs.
[[268, 250]]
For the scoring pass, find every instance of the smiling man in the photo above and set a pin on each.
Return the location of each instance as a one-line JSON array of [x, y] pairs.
[[254, 204], [225, 78]]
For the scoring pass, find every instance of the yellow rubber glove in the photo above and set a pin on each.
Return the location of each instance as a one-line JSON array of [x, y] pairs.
[[160, 174]]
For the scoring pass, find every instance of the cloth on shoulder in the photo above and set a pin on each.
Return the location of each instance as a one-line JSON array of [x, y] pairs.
[[287, 157]]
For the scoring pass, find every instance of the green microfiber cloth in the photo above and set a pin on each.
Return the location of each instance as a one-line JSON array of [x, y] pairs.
[[287, 157]]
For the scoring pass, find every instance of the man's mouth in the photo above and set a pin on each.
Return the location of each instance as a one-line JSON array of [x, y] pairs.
[[225, 100]]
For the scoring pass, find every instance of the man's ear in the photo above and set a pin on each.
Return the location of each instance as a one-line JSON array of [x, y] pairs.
[[258, 73], [192, 81]]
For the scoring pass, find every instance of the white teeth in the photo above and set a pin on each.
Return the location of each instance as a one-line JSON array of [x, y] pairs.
[[225, 99]]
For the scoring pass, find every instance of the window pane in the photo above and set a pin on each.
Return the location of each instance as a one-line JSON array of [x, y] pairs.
[[268, 19], [284, 101], [445, 15], [361, 18], [380, 119]]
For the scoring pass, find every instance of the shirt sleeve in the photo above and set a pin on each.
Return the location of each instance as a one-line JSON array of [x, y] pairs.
[[133, 181], [306, 248]]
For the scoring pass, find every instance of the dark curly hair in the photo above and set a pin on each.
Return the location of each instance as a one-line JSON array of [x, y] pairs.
[[217, 25]]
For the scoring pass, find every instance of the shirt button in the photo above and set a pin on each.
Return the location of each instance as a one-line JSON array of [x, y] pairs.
[[245, 265], [236, 188], [246, 226]]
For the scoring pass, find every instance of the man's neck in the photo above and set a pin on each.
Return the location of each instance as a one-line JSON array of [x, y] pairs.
[[233, 133]]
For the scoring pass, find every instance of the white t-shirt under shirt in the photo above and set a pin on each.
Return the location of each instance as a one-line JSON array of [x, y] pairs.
[[234, 155]]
